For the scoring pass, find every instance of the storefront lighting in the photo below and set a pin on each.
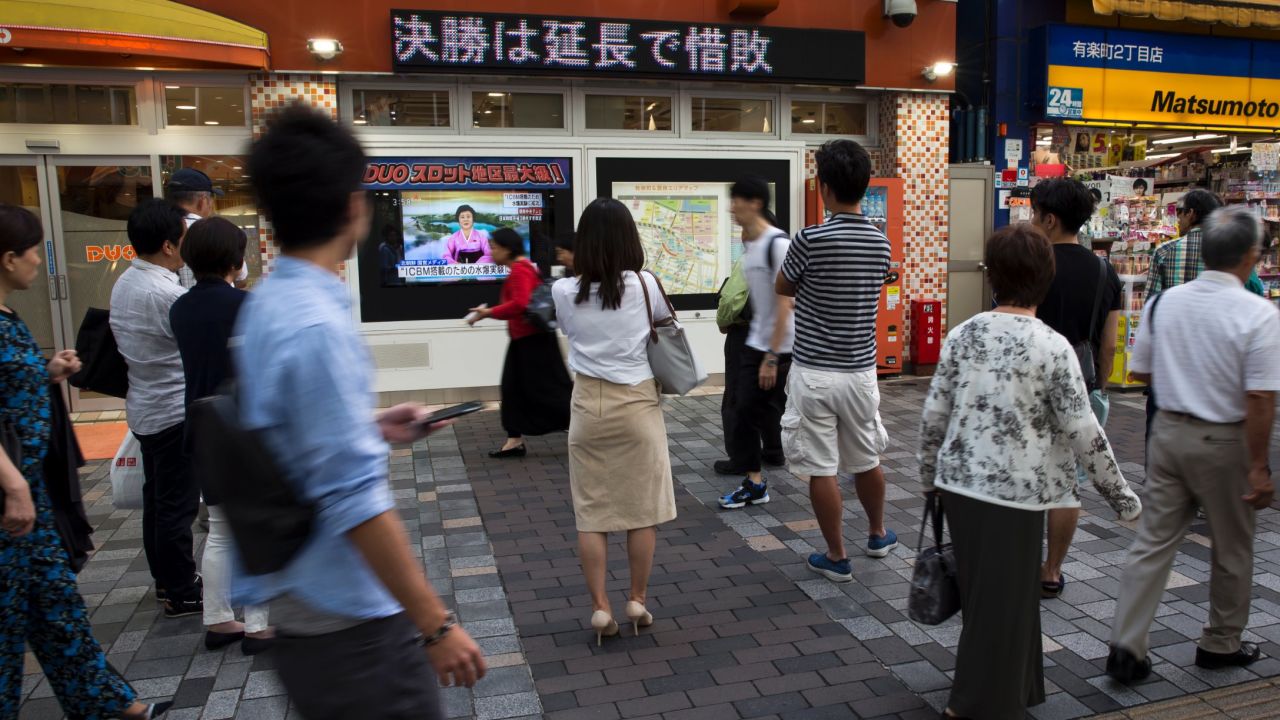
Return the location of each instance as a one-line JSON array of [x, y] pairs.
[[324, 48], [211, 122], [1186, 138], [184, 107], [1219, 151], [940, 69], [359, 121], [809, 121], [172, 87], [1163, 156], [497, 95]]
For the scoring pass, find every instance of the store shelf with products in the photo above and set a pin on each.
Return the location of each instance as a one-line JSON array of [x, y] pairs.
[[1133, 296]]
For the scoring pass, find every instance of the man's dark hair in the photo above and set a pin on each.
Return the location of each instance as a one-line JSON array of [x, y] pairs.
[[565, 242], [1141, 183], [153, 223], [19, 230], [214, 248], [183, 198], [509, 240], [1097, 195], [845, 167], [1201, 202], [606, 247], [1066, 199], [457, 215], [751, 187], [1020, 265], [304, 170], [1230, 233]]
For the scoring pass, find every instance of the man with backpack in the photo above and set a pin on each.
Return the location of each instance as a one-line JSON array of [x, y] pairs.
[[760, 375]]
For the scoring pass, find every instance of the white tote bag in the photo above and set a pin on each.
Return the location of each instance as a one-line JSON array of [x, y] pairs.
[[671, 357], [126, 475]]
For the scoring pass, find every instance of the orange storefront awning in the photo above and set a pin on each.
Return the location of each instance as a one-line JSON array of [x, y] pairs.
[[1237, 13], [119, 33]]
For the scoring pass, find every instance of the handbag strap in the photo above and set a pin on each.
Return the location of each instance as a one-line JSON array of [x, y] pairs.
[[932, 510], [1097, 299], [644, 286]]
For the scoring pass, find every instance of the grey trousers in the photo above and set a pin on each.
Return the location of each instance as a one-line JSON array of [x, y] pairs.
[[1190, 464]]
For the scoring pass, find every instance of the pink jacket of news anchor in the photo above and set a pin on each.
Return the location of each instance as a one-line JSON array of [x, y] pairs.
[[457, 244]]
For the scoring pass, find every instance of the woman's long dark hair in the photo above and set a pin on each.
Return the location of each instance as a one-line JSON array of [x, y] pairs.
[[607, 245]]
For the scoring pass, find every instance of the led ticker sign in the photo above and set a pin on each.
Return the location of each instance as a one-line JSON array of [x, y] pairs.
[[426, 41]]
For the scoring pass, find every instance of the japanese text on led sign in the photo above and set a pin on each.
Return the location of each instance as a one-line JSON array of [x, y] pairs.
[[467, 41], [1152, 54]]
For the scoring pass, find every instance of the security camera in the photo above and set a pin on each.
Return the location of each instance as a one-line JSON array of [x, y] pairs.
[[901, 12]]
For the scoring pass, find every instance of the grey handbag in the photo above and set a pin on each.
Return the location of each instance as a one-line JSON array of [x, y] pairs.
[[671, 358], [935, 594]]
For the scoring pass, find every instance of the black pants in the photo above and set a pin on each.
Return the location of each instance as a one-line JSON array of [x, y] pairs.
[[735, 341], [170, 501], [758, 411], [373, 671]]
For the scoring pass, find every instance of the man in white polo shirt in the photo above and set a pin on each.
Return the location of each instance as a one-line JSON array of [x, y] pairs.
[[1210, 347]]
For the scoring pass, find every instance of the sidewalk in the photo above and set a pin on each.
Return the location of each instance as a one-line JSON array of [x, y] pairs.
[[741, 630]]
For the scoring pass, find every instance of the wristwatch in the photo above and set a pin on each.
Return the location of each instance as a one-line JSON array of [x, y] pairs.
[[450, 622], [771, 359]]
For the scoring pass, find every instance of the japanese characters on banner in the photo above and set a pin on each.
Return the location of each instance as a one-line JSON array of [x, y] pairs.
[[425, 40], [466, 173]]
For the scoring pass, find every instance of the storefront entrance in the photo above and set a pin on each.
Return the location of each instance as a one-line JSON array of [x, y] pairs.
[[84, 203]]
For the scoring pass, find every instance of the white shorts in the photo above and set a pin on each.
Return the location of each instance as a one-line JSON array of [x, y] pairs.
[[832, 422]]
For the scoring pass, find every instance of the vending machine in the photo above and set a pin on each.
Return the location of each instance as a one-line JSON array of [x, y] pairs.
[[883, 207]]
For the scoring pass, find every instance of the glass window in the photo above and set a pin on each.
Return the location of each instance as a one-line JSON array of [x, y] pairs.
[[732, 115], [628, 112], [68, 104], [828, 118], [237, 204], [189, 105], [517, 110], [401, 108]]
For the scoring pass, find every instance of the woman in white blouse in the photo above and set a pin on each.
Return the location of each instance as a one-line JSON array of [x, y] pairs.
[[619, 468], [1006, 421]]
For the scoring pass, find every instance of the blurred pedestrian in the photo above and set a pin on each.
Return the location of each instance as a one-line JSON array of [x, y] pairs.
[[1005, 424], [564, 254], [535, 384], [202, 322], [1210, 348], [619, 466], [156, 408], [40, 603], [359, 628]]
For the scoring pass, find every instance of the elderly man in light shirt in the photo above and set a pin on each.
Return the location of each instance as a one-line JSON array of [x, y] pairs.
[[140, 303], [1210, 348]]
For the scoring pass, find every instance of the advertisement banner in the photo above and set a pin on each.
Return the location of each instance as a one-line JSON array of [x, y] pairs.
[[1124, 76], [467, 173]]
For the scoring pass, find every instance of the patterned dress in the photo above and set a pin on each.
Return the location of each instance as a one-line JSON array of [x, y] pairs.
[[40, 603]]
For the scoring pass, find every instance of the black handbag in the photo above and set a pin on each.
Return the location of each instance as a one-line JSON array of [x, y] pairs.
[[935, 594], [105, 370], [541, 311], [269, 521]]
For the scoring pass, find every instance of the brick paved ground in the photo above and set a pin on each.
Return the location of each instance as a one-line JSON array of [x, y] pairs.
[[742, 629]]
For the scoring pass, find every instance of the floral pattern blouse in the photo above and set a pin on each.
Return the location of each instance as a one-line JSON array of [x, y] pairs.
[[1007, 420]]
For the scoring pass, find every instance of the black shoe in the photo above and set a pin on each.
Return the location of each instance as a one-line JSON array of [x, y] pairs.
[[1125, 668], [1246, 655], [778, 460], [218, 640], [518, 451], [726, 467], [153, 711], [253, 646], [161, 595], [182, 608]]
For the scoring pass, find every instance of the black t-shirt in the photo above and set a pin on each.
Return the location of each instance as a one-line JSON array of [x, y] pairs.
[[1075, 285]]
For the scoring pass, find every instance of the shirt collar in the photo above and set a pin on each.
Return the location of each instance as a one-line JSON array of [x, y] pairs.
[[1219, 278], [145, 266], [311, 274]]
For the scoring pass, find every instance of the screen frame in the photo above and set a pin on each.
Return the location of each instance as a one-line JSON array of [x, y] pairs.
[[610, 170]]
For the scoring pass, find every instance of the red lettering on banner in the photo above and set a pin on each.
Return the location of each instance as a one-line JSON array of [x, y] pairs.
[[419, 174], [555, 172], [93, 253], [435, 173], [113, 252], [480, 174], [510, 173], [526, 174], [370, 174], [542, 174], [495, 173], [110, 253], [400, 174], [457, 175]]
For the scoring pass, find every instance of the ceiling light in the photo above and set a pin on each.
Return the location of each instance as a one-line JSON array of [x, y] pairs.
[[172, 87], [360, 121], [808, 121], [184, 107], [1186, 138], [497, 95], [1043, 142], [235, 167], [1229, 150], [1163, 156], [488, 112], [942, 68], [324, 48], [211, 122]]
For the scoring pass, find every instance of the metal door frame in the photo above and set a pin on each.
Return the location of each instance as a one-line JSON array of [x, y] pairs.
[[974, 171], [53, 258]]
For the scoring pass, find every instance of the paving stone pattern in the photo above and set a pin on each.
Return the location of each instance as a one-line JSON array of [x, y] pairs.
[[742, 629]]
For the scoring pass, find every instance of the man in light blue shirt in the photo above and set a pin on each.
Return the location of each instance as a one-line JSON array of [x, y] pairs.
[[353, 609]]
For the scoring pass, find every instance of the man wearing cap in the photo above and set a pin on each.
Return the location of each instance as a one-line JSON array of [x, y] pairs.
[[193, 191]]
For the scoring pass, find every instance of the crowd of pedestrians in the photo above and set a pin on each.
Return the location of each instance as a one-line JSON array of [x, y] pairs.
[[1012, 426]]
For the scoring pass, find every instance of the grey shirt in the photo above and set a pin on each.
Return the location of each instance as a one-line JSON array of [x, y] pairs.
[[140, 303]]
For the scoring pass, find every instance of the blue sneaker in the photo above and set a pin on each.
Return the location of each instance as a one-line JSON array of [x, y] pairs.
[[878, 547], [749, 494], [841, 571]]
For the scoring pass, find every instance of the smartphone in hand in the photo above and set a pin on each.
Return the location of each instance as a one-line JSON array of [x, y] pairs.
[[450, 413]]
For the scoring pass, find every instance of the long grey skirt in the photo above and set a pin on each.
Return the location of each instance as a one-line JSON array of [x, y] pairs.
[[999, 663]]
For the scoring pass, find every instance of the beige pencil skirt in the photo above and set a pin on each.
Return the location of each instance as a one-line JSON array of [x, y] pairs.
[[619, 469]]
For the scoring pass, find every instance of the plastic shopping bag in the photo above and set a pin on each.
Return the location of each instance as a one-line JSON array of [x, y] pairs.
[[127, 475]]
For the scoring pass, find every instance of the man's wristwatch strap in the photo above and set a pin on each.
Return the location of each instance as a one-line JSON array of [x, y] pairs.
[[450, 622]]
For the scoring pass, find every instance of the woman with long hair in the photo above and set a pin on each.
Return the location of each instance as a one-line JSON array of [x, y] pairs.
[[619, 469], [535, 385], [40, 603]]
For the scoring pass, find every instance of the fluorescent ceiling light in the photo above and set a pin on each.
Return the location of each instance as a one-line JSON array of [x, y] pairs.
[[211, 122], [184, 107], [1186, 138], [497, 94], [1227, 150], [1163, 156], [808, 121], [172, 87]]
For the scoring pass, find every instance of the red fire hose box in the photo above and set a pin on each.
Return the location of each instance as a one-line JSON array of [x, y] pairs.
[[926, 331]]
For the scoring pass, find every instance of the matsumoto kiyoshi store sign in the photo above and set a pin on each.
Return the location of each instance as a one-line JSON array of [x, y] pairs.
[[429, 41], [1121, 76]]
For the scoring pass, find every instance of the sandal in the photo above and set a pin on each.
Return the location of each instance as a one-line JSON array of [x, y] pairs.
[[1050, 589]]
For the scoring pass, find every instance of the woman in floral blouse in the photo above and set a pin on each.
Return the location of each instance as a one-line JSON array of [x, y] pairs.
[[1006, 421]]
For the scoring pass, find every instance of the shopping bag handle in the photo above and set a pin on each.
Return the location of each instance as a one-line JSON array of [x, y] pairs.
[[932, 509]]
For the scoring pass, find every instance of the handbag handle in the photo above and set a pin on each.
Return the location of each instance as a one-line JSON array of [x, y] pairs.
[[648, 304], [932, 509]]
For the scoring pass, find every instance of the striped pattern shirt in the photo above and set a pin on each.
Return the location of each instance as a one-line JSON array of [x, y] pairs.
[[838, 269]]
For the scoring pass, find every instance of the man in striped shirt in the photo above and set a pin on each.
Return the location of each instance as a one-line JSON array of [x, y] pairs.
[[835, 272]]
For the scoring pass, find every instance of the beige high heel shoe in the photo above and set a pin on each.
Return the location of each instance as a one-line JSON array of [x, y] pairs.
[[638, 616], [602, 622]]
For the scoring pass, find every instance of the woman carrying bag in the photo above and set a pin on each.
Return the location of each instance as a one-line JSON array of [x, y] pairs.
[[619, 467], [535, 384]]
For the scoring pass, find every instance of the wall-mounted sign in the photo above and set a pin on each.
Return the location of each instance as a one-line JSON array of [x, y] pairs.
[[108, 253], [425, 41], [467, 173], [1123, 76]]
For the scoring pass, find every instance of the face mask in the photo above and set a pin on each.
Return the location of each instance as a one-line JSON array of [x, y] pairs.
[[243, 274]]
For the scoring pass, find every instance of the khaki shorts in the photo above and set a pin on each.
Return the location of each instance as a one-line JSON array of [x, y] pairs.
[[832, 423]]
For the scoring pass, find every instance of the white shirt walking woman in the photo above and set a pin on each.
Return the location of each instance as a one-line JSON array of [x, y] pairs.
[[619, 469], [1005, 424]]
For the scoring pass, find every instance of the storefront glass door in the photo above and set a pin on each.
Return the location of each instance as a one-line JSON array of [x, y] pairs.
[[22, 183]]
